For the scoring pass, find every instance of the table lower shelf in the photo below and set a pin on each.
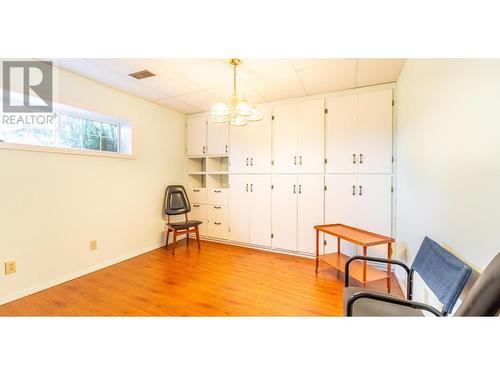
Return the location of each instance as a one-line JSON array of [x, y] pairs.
[[338, 261]]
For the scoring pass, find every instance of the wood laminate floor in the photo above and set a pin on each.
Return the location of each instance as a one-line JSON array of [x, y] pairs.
[[219, 280]]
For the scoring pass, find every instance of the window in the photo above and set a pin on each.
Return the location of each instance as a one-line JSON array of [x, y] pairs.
[[70, 128]]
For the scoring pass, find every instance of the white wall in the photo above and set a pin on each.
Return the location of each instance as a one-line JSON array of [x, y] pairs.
[[52, 205], [448, 157]]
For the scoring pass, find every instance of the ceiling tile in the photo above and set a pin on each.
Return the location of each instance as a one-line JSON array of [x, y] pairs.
[[92, 71], [273, 79], [201, 100], [376, 71], [205, 73], [178, 106], [223, 92], [324, 75], [164, 81]]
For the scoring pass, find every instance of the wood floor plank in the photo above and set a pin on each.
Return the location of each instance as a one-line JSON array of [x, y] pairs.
[[219, 280]]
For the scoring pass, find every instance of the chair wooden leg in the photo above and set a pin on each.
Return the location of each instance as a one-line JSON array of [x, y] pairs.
[[187, 238], [198, 237], [175, 239], [168, 235]]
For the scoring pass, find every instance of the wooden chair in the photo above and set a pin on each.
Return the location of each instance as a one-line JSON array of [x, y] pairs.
[[177, 203]]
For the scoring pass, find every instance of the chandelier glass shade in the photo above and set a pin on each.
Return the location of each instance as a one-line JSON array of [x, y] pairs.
[[236, 110]]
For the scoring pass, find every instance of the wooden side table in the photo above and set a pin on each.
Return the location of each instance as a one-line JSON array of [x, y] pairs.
[[359, 237]]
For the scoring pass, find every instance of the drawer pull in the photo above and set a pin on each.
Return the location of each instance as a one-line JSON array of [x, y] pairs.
[[217, 191], [216, 223], [196, 190], [217, 207], [196, 205]]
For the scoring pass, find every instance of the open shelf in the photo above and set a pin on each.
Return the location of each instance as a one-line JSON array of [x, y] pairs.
[[197, 180], [338, 261], [218, 164], [197, 165], [216, 180]]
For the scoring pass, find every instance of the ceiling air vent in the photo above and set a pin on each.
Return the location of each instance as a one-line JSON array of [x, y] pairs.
[[142, 74]]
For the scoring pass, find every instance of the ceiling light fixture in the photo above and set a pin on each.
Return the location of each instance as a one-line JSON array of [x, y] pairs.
[[236, 110]]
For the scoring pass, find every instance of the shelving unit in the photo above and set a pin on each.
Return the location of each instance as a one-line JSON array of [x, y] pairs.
[[217, 165]]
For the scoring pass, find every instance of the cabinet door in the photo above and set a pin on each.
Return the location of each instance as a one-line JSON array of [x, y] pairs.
[[260, 210], [285, 132], [310, 210], [342, 134], [375, 132], [259, 141], [196, 135], [239, 204], [340, 207], [284, 212], [375, 208], [241, 139], [217, 138], [311, 133], [251, 145]]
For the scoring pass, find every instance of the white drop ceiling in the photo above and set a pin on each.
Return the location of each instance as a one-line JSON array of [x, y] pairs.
[[194, 85]]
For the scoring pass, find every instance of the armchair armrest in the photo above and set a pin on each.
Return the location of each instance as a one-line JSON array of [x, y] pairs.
[[389, 299], [409, 273]]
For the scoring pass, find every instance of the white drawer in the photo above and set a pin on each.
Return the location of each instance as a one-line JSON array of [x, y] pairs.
[[218, 213], [198, 211], [197, 195], [218, 229], [218, 196]]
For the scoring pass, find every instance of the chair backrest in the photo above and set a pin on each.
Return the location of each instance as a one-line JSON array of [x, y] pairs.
[[442, 271], [176, 200], [483, 298]]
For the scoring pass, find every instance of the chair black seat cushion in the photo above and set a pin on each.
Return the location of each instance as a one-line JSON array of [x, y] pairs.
[[186, 224], [370, 307]]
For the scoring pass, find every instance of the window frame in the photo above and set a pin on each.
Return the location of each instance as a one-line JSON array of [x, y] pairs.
[[125, 147]]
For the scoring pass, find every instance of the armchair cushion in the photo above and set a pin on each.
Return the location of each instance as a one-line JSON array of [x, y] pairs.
[[369, 307]]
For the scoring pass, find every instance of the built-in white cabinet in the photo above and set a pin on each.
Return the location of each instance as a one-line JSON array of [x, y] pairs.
[[217, 138], [298, 137], [359, 133], [297, 206], [307, 162], [196, 135], [363, 201], [251, 145], [250, 214]]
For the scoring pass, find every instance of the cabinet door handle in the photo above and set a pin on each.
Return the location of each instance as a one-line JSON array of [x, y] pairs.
[[204, 149], [353, 190], [246, 188], [251, 188], [360, 190], [353, 158], [251, 162], [294, 188], [360, 158], [226, 149], [300, 189], [300, 159], [294, 160], [246, 162]]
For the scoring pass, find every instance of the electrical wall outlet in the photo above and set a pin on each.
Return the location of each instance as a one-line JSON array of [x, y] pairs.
[[93, 245], [10, 267]]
